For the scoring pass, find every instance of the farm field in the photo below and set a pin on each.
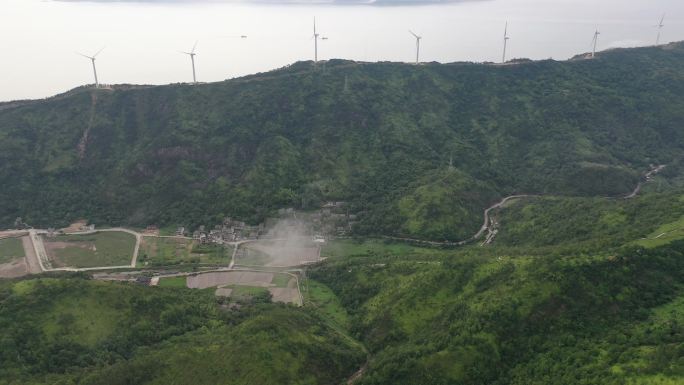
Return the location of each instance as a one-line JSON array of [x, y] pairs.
[[277, 253], [241, 284], [173, 282], [12, 261], [92, 250], [11, 249], [178, 251]]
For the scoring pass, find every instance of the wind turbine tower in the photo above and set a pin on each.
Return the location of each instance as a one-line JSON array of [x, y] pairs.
[[595, 42], [417, 46], [92, 59], [660, 28], [506, 38], [315, 36], [192, 59]]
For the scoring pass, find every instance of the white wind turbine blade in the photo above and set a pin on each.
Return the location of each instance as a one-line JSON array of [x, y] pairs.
[[416, 36], [98, 52], [85, 56], [193, 48]]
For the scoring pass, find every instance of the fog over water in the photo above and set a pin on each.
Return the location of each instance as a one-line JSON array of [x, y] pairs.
[[143, 40]]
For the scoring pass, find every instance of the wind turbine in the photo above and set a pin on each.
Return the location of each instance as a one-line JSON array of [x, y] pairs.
[[192, 59], [595, 42], [660, 27], [417, 46], [92, 59], [506, 38], [315, 36]]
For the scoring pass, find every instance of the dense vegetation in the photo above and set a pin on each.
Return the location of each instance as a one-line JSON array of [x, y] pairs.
[[77, 331], [379, 135], [495, 319], [586, 224]]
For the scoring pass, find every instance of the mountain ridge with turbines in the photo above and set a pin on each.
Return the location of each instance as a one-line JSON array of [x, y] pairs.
[[184, 155]]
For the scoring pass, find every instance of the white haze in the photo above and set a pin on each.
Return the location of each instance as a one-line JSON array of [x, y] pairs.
[[142, 40]]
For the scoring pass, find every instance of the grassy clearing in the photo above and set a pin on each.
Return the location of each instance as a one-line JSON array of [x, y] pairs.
[[664, 234], [244, 292], [347, 247], [92, 250], [178, 251], [86, 319], [11, 249], [281, 280], [327, 302], [173, 282]]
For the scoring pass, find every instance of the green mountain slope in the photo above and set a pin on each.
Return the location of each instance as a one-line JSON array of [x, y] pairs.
[[378, 135], [76, 331], [495, 319]]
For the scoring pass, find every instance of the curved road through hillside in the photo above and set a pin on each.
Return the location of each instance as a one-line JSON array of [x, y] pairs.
[[488, 225]]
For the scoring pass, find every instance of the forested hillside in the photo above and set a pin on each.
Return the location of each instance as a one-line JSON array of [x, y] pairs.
[[77, 331], [493, 318], [378, 135]]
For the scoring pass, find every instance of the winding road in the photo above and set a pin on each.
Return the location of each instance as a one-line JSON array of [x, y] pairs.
[[488, 225], [37, 252]]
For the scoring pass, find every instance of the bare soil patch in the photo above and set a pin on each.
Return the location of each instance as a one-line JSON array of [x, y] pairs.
[[247, 278], [16, 268], [283, 294], [12, 233], [284, 253], [223, 292], [76, 226]]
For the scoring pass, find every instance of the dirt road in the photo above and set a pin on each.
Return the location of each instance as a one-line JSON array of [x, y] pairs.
[[645, 178], [32, 263]]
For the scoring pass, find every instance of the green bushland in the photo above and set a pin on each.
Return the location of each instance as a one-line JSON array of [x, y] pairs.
[[495, 319], [107, 248], [298, 136], [588, 224], [323, 299], [664, 234], [351, 247], [11, 249], [77, 331], [156, 251]]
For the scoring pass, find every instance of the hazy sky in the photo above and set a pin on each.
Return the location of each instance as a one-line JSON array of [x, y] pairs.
[[143, 39]]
